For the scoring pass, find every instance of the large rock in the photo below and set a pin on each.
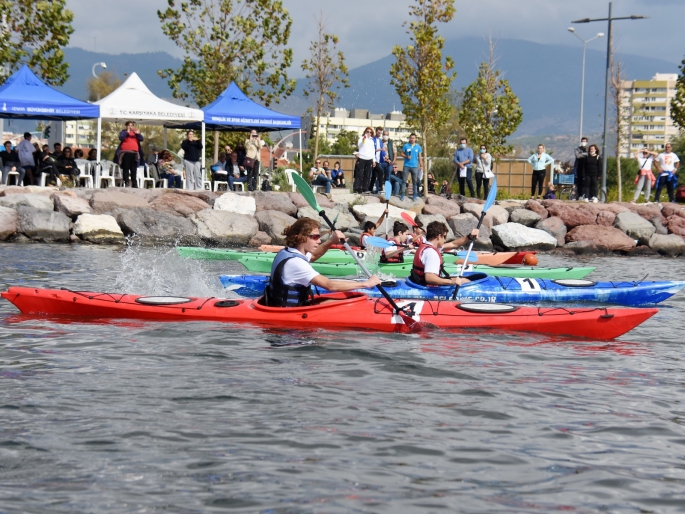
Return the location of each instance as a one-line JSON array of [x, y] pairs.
[[570, 214], [275, 202], [154, 227], [536, 207], [440, 205], [8, 222], [606, 218], [616, 207], [224, 227], [110, 199], [671, 209], [676, 225], [555, 227], [462, 225], [425, 219], [408, 204], [647, 211], [259, 239], [607, 237], [496, 215], [274, 223], [635, 226], [42, 225], [512, 205], [376, 210], [98, 228], [146, 194], [71, 206], [179, 205], [322, 200], [238, 204], [343, 219], [660, 228], [514, 236], [667, 245], [205, 195], [525, 217], [27, 200]]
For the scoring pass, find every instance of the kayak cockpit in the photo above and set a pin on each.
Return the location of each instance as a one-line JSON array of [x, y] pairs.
[[319, 303]]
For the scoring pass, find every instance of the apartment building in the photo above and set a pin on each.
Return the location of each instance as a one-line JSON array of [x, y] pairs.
[[80, 133], [647, 106], [356, 120]]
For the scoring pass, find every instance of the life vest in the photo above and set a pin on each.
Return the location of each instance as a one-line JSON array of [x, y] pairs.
[[398, 257], [361, 239], [418, 274], [278, 294]]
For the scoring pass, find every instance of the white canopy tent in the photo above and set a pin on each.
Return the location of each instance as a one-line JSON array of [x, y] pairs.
[[134, 101]]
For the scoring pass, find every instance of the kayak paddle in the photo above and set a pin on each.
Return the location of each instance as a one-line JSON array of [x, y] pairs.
[[379, 242], [388, 194], [310, 197], [492, 195], [408, 219]]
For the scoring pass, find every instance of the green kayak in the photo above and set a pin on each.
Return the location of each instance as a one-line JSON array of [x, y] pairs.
[[263, 265]]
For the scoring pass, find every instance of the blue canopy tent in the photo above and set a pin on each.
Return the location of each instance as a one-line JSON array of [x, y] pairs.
[[25, 96], [233, 110]]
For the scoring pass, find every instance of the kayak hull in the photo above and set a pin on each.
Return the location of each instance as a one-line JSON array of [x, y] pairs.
[[499, 290], [402, 270], [353, 311]]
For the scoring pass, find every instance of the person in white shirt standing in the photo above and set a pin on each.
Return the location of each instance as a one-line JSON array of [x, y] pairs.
[[667, 162], [25, 150]]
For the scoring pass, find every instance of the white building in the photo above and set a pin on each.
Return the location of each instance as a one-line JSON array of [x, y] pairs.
[[357, 120], [80, 133], [647, 105]]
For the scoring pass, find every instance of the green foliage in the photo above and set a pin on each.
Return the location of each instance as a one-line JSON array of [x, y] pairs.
[[421, 77], [326, 72], [444, 139], [34, 32], [678, 145], [308, 157], [678, 101], [491, 111], [229, 40], [279, 178], [345, 143], [102, 85]]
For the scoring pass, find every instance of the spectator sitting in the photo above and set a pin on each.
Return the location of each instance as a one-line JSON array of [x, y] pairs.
[[443, 188], [47, 165], [78, 154], [550, 195], [165, 167], [66, 164], [266, 185], [92, 155], [319, 177], [338, 175], [10, 161], [236, 172], [431, 183], [396, 180], [57, 150], [218, 170]]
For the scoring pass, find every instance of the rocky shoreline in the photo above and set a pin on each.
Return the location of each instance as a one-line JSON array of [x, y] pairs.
[[203, 218]]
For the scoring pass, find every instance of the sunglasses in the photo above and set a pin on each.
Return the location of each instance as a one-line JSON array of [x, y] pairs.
[[314, 237]]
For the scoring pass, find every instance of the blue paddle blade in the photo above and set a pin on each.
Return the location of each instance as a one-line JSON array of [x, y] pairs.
[[388, 190], [472, 256], [378, 242], [492, 195]]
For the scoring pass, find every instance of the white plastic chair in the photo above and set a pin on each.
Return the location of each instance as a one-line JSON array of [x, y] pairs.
[[44, 175], [115, 172], [218, 183], [105, 174], [143, 177], [84, 173], [289, 174], [12, 174], [316, 188]]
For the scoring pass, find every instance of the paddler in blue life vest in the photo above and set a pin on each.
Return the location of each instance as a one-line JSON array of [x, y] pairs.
[[292, 275], [428, 268]]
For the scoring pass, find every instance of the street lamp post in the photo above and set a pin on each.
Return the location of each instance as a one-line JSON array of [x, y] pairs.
[[582, 77], [610, 19], [104, 66]]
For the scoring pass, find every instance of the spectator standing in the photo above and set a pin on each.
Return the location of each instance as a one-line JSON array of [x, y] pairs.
[[66, 164], [645, 177], [463, 158], [319, 177], [236, 172], [377, 172], [483, 171], [26, 159], [667, 162], [579, 166], [10, 162], [411, 152], [540, 161], [192, 149], [253, 148], [129, 153], [365, 158], [390, 157], [593, 170]]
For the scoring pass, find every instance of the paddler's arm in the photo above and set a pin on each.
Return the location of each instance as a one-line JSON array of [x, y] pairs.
[[335, 238], [434, 280], [380, 220], [344, 285], [458, 243]]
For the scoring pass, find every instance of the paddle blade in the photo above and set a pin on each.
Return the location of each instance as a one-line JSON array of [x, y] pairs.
[[306, 192], [408, 219], [492, 195], [388, 190], [378, 242], [472, 256]]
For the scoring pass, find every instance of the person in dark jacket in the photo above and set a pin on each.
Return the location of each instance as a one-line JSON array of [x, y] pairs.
[[47, 165], [192, 150], [66, 163], [130, 155], [593, 170], [10, 162]]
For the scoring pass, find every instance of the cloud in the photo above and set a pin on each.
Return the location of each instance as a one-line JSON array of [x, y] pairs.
[[369, 30]]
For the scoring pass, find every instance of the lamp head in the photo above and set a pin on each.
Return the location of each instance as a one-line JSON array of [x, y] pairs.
[[600, 34], [103, 65], [571, 29]]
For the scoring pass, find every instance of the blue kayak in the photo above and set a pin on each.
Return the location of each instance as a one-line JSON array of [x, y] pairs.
[[489, 289]]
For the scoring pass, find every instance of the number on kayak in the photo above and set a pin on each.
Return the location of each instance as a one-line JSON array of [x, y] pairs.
[[528, 284], [412, 306]]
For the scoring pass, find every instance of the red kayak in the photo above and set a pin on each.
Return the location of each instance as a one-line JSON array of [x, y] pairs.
[[335, 311]]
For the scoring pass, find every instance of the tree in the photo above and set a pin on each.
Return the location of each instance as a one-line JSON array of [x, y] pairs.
[[621, 116], [229, 40], [102, 85], [678, 101], [420, 75], [490, 111], [345, 142], [34, 33], [326, 71]]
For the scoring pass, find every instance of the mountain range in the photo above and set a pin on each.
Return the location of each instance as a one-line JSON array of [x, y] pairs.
[[546, 79]]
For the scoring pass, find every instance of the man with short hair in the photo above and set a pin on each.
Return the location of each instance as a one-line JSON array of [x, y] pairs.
[[48, 165], [191, 161], [463, 158], [236, 173], [378, 170], [218, 169], [25, 150], [10, 162], [667, 163], [579, 166], [411, 152], [57, 150], [390, 157]]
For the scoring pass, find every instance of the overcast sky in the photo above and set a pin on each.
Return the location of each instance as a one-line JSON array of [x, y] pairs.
[[368, 30]]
